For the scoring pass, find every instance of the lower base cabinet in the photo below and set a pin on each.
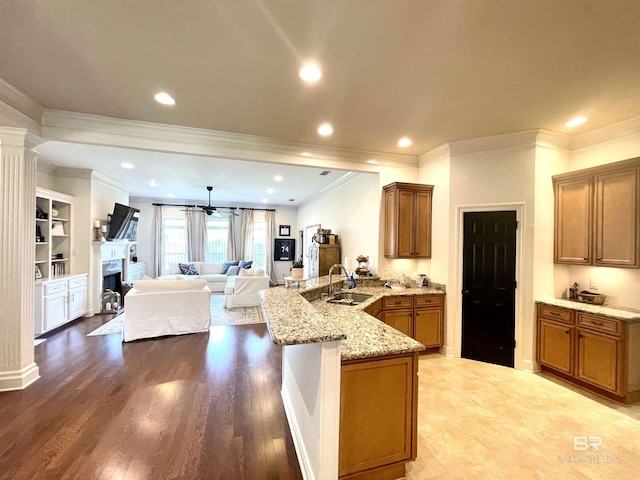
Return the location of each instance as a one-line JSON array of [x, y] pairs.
[[378, 417], [593, 351], [419, 316], [59, 301]]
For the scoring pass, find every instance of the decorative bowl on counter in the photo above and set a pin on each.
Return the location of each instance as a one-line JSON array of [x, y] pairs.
[[592, 298]]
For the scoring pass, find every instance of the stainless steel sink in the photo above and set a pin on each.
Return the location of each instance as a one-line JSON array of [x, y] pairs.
[[348, 298]]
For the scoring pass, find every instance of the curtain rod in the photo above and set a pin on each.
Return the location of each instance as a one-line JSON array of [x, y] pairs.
[[212, 206]]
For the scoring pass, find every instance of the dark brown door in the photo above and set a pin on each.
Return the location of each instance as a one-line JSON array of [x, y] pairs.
[[488, 287]]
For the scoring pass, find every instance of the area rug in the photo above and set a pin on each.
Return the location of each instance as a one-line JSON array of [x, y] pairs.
[[219, 316]]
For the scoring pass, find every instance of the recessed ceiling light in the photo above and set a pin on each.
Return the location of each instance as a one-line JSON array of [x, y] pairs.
[[305, 154], [278, 178], [127, 165], [575, 122], [325, 129], [372, 161], [264, 200], [170, 195], [269, 191], [404, 142], [310, 72], [164, 98], [152, 183]]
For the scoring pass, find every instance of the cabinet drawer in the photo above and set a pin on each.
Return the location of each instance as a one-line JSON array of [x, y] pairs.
[[77, 282], [55, 287], [427, 300], [600, 323], [557, 313], [397, 302]]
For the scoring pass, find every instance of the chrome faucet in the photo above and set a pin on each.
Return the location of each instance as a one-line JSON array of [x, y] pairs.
[[344, 270]]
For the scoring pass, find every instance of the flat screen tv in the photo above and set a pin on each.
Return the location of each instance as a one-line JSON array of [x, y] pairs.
[[124, 223]]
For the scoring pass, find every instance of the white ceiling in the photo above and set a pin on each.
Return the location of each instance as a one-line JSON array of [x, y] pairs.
[[436, 70]]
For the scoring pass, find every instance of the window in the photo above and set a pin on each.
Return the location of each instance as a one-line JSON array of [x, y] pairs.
[[259, 236], [217, 234], [174, 240]]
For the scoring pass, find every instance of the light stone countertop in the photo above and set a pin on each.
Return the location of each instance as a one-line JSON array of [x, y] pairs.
[[298, 315], [628, 315]]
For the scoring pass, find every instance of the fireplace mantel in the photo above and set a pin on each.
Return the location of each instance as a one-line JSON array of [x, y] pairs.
[[114, 251]]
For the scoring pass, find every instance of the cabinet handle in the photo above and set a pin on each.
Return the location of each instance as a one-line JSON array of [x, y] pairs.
[[585, 258], [567, 332], [555, 314], [598, 258], [398, 302], [600, 324]]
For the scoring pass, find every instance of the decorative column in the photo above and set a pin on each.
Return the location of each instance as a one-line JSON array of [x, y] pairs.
[[17, 255]]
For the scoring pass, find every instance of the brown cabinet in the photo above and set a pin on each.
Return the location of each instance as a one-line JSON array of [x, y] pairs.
[[321, 258], [597, 217], [407, 232], [418, 316], [401, 320], [593, 351], [378, 416]]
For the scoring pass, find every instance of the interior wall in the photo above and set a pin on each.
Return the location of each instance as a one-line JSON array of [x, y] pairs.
[[435, 170], [490, 178]]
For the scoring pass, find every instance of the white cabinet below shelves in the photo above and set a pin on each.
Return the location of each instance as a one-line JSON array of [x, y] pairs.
[[59, 301]]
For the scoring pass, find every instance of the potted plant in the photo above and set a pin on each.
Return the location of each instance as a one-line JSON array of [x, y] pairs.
[[297, 270]]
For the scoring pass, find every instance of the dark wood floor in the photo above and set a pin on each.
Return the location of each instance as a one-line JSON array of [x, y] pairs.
[[201, 406]]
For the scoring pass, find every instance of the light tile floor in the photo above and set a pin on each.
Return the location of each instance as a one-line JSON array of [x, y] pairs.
[[482, 421]]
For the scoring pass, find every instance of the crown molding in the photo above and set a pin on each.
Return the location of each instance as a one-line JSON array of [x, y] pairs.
[[93, 129], [519, 140], [442, 151], [46, 168], [553, 140], [19, 137], [346, 178], [20, 102], [107, 182], [606, 134]]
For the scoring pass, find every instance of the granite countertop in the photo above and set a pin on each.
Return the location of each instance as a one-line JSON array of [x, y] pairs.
[[628, 315], [298, 315]]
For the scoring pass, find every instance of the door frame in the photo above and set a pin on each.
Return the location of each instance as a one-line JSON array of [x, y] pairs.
[[519, 208]]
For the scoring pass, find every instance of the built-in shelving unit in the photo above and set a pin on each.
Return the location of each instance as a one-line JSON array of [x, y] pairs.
[[59, 296]]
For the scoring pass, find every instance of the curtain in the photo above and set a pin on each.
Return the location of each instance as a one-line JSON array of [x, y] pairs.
[[270, 235], [232, 247], [196, 235], [157, 244], [247, 235]]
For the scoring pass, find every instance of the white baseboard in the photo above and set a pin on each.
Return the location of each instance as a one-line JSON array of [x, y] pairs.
[[19, 379]]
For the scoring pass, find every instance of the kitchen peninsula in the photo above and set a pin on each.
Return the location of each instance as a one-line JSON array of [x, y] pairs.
[[349, 381]]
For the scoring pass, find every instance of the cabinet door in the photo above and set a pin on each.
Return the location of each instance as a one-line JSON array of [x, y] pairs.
[[573, 221], [422, 225], [390, 221], [554, 345], [401, 320], [77, 302], [598, 360], [428, 326], [406, 202], [616, 218], [55, 309], [378, 414]]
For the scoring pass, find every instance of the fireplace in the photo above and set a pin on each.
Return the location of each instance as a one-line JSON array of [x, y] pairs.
[[112, 275]]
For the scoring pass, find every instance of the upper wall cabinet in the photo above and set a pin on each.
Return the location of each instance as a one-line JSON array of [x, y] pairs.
[[597, 217], [407, 232]]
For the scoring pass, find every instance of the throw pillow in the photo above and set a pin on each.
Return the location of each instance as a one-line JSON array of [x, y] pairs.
[[146, 277], [188, 269], [245, 272], [259, 271], [233, 270], [225, 267], [246, 264]]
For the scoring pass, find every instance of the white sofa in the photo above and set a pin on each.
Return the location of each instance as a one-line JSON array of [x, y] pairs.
[[169, 307], [211, 272], [242, 290]]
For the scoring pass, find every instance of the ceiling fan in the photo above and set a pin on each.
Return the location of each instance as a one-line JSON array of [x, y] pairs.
[[213, 211]]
